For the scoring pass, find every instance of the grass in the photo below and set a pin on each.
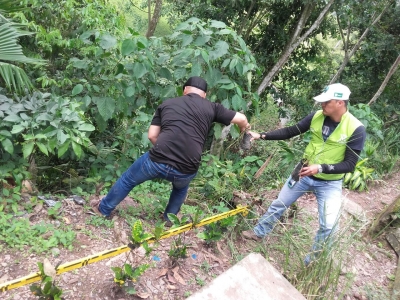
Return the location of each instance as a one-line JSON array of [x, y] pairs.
[[287, 246]]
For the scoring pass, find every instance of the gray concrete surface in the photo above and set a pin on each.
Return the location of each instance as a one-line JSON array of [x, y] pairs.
[[253, 278]]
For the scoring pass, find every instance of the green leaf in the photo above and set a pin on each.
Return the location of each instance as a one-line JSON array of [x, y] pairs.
[[61, 136], [165, 73], [107, 41], [79, 64], [221, 48], [44, 117], [224, 80], [41, 136], [139, 69], [64, 147], [225, 63], [5, 133], [77, 89], [236, 102], [233, 63], [145, 140], [217, 130], [202, 235], [168, 91], [87, 100], [47, 287], [235, 132], [142, 117], [202, 40], [86, 127], [128, 270], [142, 42], [27, 148], [217, 24], [17, 129], [130, 91], [229, 86], [239, 68], [186, 40], [181, 58], [179, 73], [174, 219], [12, 118], [197, 70], [77, 149], [224, 31], [205, 56], [106, 107], [213, 76], [226, 103], [128, 46], [8, 146], [42, 148]]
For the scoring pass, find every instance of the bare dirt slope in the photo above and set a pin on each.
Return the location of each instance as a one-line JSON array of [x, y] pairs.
[[374, 262]]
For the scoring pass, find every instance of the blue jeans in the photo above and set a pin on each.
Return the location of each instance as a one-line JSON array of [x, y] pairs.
[[329, 198], [144, 169]]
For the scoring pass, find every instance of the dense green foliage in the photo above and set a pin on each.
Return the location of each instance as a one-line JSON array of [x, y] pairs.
[[79, 83]]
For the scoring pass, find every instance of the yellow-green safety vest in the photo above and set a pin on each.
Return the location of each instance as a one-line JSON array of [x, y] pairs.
[[332, 150]]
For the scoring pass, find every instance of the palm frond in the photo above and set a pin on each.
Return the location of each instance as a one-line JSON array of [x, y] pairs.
[[14, 77], [10, 50]]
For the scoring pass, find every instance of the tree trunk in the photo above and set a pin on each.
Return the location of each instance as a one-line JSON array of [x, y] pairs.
[[347, 55], [294, 42], [217, 144], [381, 222], [384, 83], [153, 20]]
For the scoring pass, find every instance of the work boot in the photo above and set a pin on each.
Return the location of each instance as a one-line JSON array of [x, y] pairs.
[[168, 224], [250, 235], [94, 204]]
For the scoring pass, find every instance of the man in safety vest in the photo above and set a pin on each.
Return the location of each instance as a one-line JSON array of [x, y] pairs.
[[337, 139]]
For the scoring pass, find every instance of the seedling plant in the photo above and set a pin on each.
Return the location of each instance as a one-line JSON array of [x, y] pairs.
[[47, 289]]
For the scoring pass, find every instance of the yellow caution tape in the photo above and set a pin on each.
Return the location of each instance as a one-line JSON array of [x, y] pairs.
[[69, 266]]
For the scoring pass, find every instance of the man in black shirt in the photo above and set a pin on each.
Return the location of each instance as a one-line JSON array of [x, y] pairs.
[[337, 139], [178, 132]]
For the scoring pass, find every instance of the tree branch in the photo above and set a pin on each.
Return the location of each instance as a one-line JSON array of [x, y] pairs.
[[384, 83], [348, 56], [294, 42]]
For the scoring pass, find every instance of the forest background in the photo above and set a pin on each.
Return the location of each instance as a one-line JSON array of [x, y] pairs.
[[80, 80]]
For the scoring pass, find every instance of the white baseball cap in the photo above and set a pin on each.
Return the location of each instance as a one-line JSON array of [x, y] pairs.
[[336, 91]]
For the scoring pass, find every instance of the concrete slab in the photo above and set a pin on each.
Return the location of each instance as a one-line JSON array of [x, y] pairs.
[[354, 209], [253, 278]]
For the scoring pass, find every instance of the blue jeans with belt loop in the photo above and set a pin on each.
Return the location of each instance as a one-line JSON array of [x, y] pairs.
[[144, 169], [329, 199]]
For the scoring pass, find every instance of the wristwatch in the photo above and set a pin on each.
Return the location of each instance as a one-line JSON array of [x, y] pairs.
[[320, 169]]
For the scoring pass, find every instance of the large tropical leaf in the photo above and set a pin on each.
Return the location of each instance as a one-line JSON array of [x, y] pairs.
[[9, 48], [13, 76]]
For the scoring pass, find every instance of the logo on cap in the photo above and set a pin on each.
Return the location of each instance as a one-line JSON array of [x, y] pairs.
[[339, 95]]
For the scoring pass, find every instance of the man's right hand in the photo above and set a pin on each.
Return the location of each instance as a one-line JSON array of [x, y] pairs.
[[255, 135]]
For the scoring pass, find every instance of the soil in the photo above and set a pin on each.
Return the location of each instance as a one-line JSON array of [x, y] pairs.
[[373, 261]]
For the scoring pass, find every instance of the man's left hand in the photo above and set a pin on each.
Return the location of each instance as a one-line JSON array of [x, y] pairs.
[[309, 171]]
